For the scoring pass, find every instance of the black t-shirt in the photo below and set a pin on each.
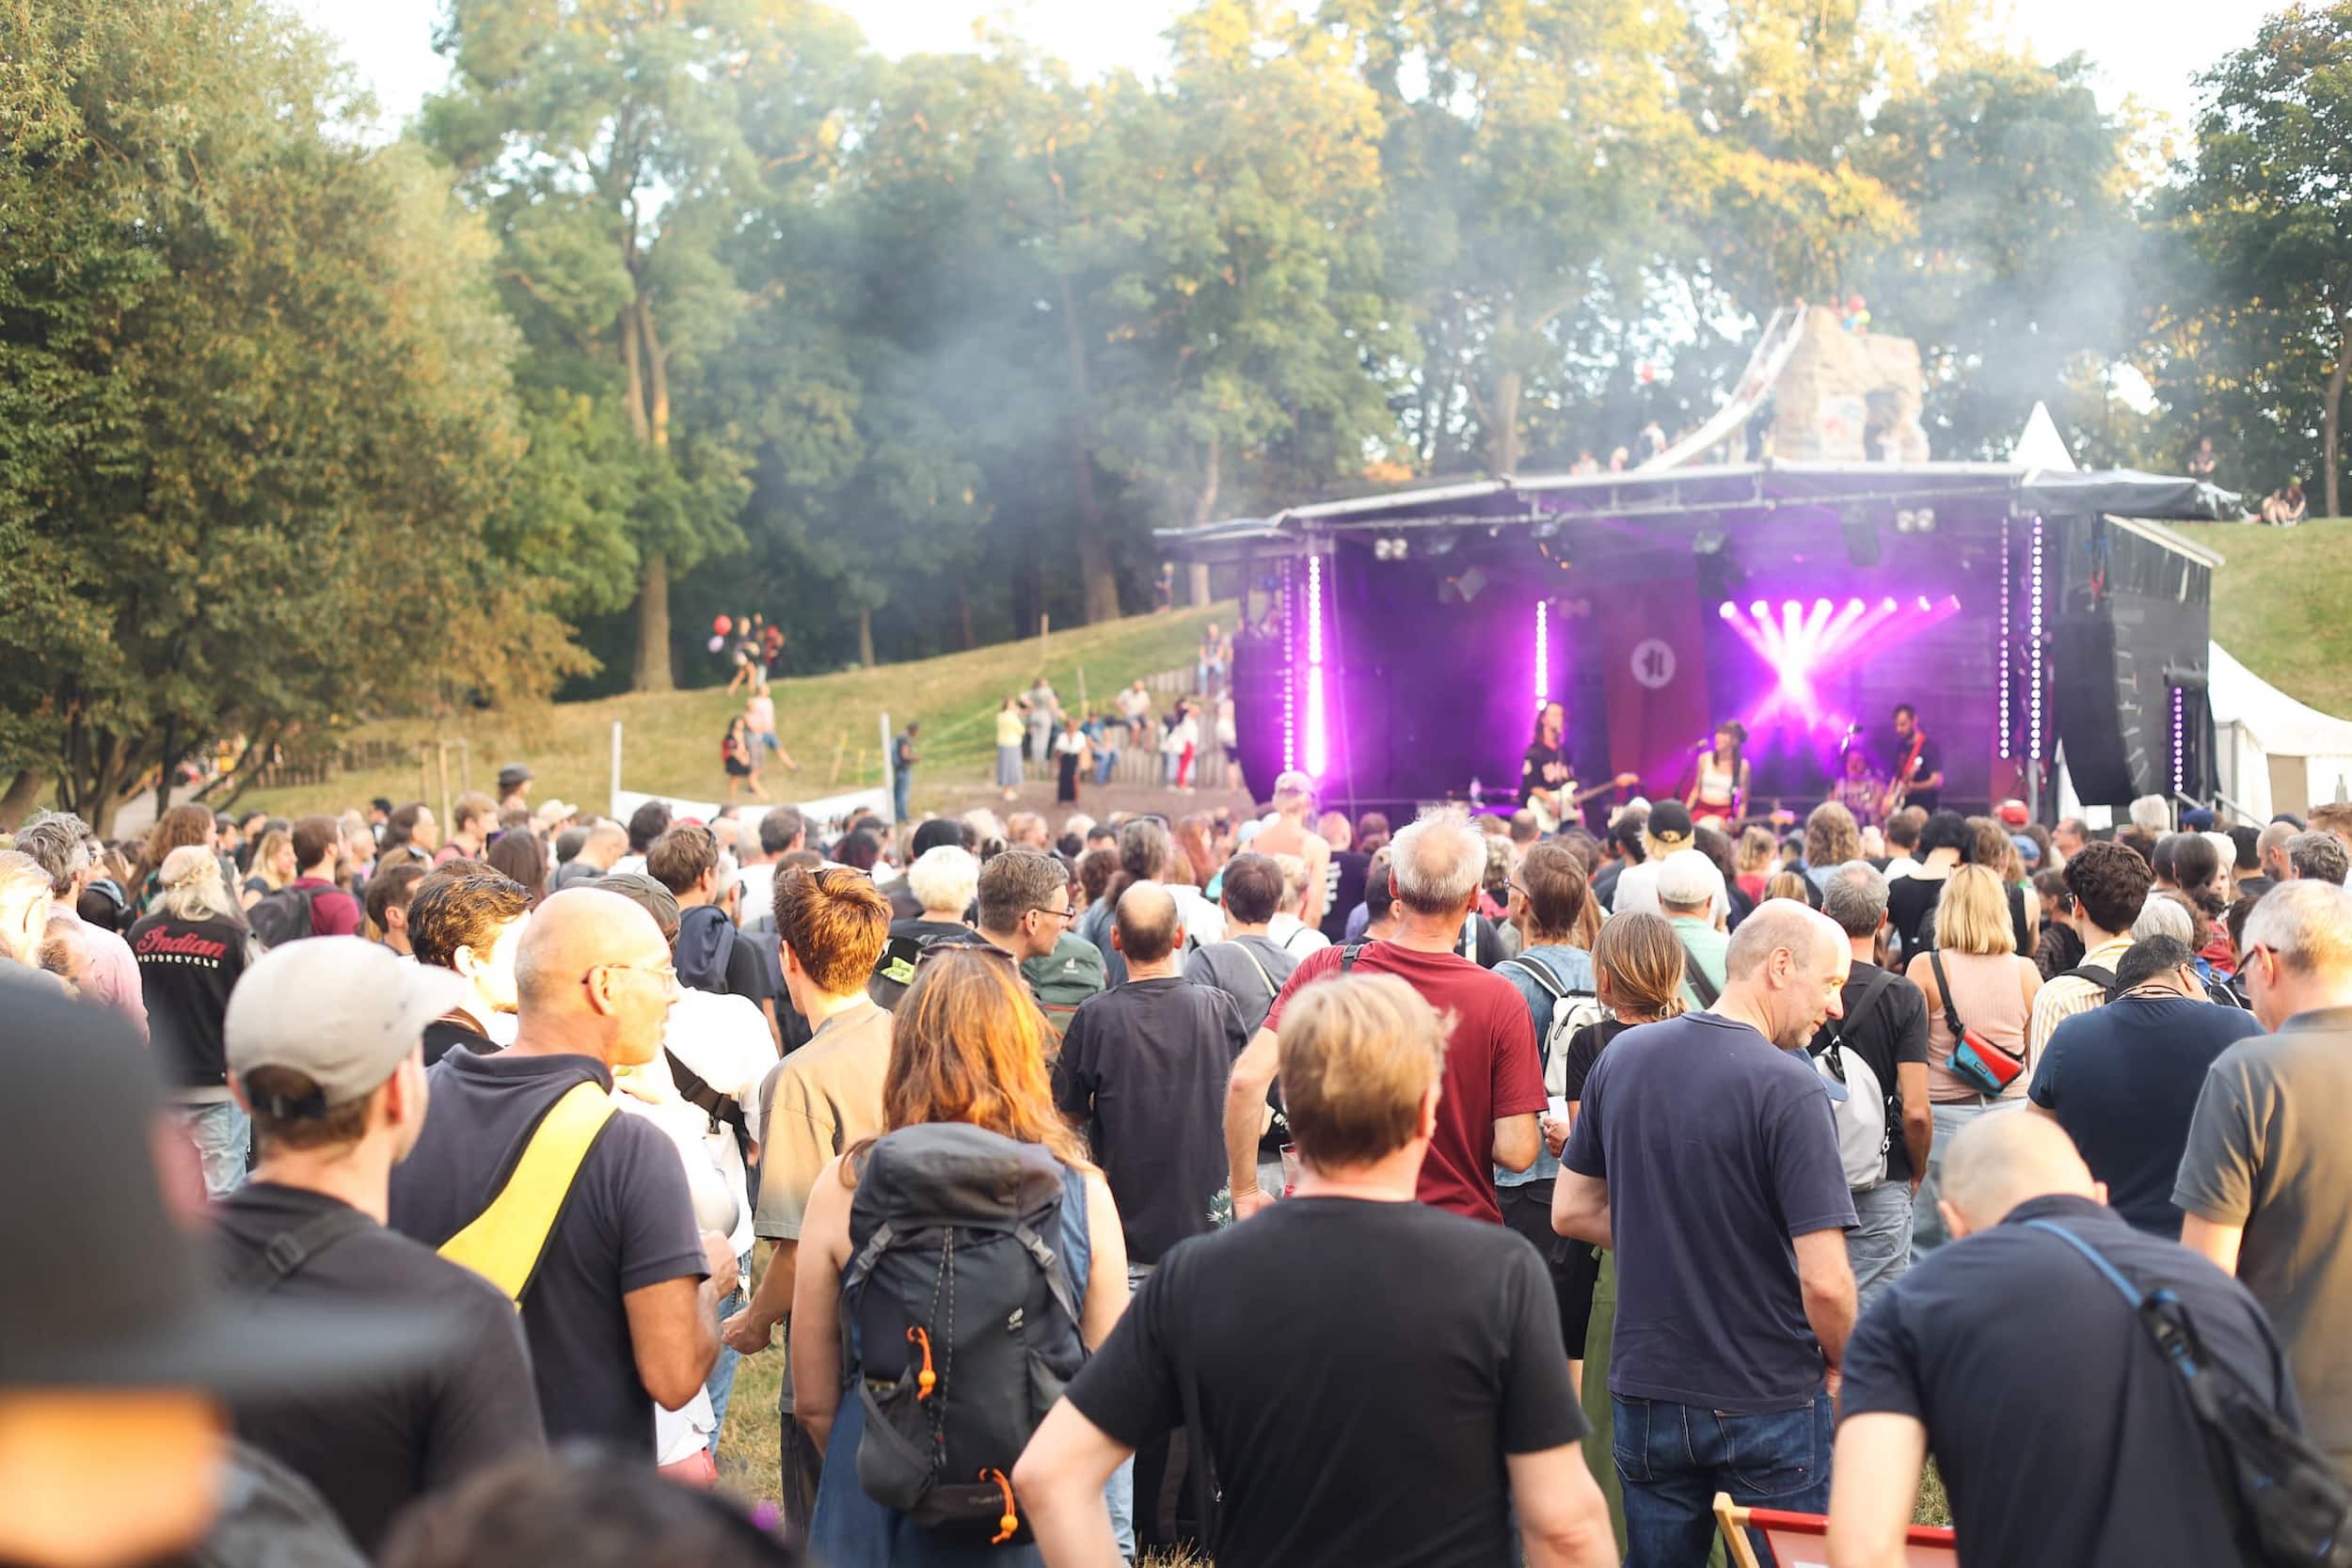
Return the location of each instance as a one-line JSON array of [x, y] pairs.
[[187, 968], [1146, 1065], [1893, 1030], [443, 1035], [627, 1222], [372, 1444], [1536, 772], [1930, 763], [1584, 1048], [1605, 883], [902, 753], [1909, 902], [1331, 1321], [2082, 1453], [2123, 1081], [1344, 889]]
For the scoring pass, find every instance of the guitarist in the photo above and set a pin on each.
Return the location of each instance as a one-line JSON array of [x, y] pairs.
[[1918, 779], [1548, 779]]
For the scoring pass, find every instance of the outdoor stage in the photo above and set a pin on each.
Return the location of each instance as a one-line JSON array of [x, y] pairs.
[[1397, 647]]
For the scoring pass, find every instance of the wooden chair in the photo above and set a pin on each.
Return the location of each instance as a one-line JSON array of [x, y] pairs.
[[1799, 1540]]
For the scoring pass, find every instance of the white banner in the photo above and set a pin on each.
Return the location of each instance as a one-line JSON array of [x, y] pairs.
[[826, 816]]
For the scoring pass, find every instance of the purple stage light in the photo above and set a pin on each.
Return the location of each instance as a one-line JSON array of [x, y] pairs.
[[1758, 610], [1886, 607], [1854, 607], [1801, 648], [1820, 607], [1728, 610], [1318, 750], [1543, 653], [1924, 606]]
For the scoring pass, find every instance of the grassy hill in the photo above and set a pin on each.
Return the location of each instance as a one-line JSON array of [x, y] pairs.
[[830, 723], [2283, 604]]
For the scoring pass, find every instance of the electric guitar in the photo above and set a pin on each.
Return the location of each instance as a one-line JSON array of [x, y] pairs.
[[1899, 785], [1544, 802]]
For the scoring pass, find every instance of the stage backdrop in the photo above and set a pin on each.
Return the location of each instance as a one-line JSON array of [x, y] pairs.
[[1651, 645]]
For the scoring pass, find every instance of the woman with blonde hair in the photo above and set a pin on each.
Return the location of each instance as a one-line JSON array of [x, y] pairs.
[[190, 953], [1998, 851], [967, 1046], [1637, 975], [1974, 976], [1831, 839], [273, 867], [1753, 861]]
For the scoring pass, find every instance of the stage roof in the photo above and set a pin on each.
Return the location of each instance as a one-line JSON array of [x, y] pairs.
[[1698, 494]]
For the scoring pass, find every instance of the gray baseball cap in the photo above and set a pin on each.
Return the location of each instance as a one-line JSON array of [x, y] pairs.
[[341, 1011]]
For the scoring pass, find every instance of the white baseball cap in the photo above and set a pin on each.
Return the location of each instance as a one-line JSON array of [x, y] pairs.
[[342, 1011]]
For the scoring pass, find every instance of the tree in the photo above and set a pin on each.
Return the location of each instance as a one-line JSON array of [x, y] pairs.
[[255, 416], [2268, 200], [605, 139]]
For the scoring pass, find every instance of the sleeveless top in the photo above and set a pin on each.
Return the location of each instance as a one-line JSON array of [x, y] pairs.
[[1987, 991], [1716, 782]]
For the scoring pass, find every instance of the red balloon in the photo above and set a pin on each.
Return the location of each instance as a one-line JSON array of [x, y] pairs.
[[722, 626]]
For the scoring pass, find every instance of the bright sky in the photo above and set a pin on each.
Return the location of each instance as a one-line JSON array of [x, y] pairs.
[[2147, 48]]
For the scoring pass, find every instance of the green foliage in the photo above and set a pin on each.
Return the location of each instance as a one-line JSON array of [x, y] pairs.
[[256, 411]]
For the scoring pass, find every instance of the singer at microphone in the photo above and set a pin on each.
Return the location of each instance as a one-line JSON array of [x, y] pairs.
[[1722, 779]]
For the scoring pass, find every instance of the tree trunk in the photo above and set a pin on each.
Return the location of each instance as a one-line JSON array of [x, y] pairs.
[[865, 636], [2331, 417], [1503, 442], [1094, 555], [652, 670], [23, 794], [964, 617]]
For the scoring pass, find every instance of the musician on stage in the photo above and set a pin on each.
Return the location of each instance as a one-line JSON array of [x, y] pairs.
[[1918, 778], [1548, 777], [1721, 784]]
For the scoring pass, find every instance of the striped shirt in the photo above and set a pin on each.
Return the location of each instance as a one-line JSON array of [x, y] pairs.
[[2065, 995]]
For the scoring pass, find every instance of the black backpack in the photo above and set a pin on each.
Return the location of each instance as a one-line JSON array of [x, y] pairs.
[[284, 916], [966, 1318]]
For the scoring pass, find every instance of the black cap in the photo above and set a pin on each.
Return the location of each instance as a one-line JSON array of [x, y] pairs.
[[513, 774], [1669, 823], [108, 1289]]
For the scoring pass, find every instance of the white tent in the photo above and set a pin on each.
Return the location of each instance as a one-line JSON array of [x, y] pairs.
[[2272, 753]]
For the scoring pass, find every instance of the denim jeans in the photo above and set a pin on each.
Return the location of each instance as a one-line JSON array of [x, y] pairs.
[[722, 1383], [901, 783], [1120, 1495], [1103, 762], [1927, 1226], [1879, 1246], [223, 1136], [1674, 1458]]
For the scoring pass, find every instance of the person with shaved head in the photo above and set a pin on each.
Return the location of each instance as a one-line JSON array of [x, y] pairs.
[[1704, 1155], [621, 1311], [2011, 1357]]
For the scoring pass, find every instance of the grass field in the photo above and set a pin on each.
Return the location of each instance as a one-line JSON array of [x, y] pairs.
[[2280, 605], [829, 723]]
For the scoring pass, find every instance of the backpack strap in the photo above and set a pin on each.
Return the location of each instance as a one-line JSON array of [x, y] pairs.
[[1349, 954], [1872, 988], [723, 1109], [1706, 990], [288, 1250], [1271, 988], [505, 1242], [1944, 991], [1049, 1263], [1541, 973], [2098, 975]]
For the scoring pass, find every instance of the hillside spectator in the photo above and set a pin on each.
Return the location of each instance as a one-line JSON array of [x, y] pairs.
[[2318, 857], [1883, 1018], [388, 894], [622, 1312], [969, 1048], [1494, 1085], [471, 922], [2109, 883], [2286, 507], [190, 953], [59, 842], [2266, 1180], [1469, 1432], [472, 817], [831, 925], [2123, 1079], [1704, 1157], [902, 762], [324, 1044], [1929, 1369]]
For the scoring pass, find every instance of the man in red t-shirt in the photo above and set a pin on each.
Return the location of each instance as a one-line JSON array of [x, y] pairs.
[[1493, 1087], [318, 843]]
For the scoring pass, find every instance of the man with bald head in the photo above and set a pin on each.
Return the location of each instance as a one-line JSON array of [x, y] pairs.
[[1142, 1070], [1705, 1154], [621, 1311], [2009, 1356]]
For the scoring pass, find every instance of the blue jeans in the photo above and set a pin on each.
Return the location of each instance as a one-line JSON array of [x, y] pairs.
[[1879, 1246], [1104, 763], [223, 1135], [722, 1383], [901, 782], [1120, 1495], [1674, 1458], [1927, 1226]]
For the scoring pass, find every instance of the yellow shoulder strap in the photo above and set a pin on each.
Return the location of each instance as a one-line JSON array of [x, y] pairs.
[[504, 1241]]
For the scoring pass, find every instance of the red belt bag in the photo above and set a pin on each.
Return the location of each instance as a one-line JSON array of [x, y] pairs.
[[1975, 1061]]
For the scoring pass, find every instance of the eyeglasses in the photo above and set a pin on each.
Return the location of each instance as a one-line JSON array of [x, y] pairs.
[[2246, 959], [666, 972], [1057, 915]]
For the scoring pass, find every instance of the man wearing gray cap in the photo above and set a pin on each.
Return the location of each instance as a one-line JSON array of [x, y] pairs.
[[325, 1051]]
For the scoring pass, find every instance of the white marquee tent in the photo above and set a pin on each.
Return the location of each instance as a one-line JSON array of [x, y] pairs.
[[2272, 753]]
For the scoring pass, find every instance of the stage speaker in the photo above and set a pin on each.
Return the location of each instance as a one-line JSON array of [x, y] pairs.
[[2110, 712]]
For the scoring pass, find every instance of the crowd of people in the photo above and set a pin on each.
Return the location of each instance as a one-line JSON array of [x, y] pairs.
[[1250, 1180]]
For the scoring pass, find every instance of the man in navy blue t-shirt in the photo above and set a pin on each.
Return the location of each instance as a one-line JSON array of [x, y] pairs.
[[1706, 1156], [2123, 1079]]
